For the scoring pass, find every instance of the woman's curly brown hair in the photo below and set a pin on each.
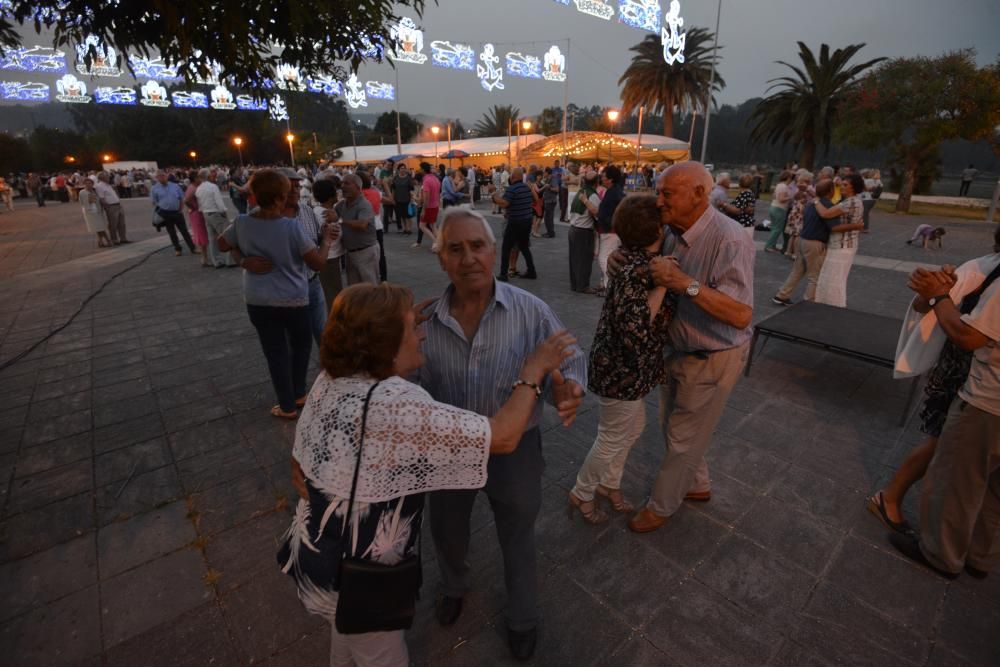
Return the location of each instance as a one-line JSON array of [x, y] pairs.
[[364, 330]]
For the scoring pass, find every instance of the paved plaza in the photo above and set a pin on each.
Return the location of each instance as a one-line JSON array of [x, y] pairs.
[[144, 485]]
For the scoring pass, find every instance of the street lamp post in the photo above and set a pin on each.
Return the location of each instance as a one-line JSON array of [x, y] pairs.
[[711, 82], [435, 131], [526, 125], [613, 117], [193, 155], [291, 152], [238, 141]]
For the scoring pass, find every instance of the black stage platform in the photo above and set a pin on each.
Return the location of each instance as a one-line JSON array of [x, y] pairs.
[[851, 333]]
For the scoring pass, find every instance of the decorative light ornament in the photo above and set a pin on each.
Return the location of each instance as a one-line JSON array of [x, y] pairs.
[[250, 103], [33, 59], [189, 100], [24, 92], [115, 95], [601, 10], [355, 92], [555, 65], [222, 99], [489, 73], [152, 68], [104, 62], [72, 90], [154, 95], [671, 36], [519, 64], [277, 109], [324, 84], [641, 14], [380, 91], [453, 55], [410, 42], [288, 77]]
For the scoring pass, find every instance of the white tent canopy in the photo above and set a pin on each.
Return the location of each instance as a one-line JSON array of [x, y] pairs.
[[474, 147]]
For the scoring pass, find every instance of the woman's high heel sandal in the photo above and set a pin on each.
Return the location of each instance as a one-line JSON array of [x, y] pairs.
[[589, 510], [615, 499]]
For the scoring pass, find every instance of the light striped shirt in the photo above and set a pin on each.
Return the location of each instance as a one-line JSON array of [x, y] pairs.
[[718, 253], [478, 375]]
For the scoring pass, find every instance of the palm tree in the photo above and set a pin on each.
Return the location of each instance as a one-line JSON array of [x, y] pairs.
[[494, 122], [804, 108], [650, 82]]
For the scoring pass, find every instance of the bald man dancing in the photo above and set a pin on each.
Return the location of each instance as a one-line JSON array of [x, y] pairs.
[[708, 262]]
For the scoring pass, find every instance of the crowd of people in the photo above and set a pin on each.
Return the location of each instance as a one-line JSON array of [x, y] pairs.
[[434, 402]]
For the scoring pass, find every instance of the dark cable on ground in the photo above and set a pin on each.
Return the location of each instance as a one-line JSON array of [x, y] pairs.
[[23, 353]]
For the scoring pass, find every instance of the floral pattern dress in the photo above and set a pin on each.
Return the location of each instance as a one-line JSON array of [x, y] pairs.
[[626, 360], [746, 199]]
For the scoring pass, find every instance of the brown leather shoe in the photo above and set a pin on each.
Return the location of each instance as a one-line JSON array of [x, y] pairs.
[[646, 521], [698, 496]]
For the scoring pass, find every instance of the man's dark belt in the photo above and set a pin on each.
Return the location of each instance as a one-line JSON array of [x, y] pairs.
[[360, 249]]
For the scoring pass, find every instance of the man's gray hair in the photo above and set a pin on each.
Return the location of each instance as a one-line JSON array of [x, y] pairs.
[[354, 178], [453, 213], [826, 172], [203, 174], [723, 176], [104, 176]]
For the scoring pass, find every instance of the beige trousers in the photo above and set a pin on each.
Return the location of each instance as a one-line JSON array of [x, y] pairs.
[[808, 262], [691, 403], [960, 495], [621, 424]]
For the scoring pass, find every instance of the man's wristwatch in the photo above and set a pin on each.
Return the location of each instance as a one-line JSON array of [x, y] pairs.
[[935, 300], [693, 289]]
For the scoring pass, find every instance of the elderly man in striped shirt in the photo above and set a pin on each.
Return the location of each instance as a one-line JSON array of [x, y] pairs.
[[708, 262], [478, 336]]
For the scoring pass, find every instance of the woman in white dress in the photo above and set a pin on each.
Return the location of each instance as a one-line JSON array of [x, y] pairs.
[[411, 445], [93, 213], [831, 288]]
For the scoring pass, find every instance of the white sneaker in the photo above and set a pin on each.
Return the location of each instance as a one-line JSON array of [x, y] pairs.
[[415, 245], [435, 248]]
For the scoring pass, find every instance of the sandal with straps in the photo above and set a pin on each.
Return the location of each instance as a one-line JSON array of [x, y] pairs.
[[588, 509], [615, 499], [278, 412]]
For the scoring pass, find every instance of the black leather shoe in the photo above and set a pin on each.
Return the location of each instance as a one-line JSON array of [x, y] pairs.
[[503, 279], [910, 547], [530, 276], [522, 644], [447, 610], [976, 572]]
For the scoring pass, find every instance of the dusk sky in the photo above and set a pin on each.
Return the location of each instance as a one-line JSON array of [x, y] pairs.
[[753, 35]]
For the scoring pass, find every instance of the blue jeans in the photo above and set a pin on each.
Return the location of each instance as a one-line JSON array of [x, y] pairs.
[[284, 338], [317, 309]]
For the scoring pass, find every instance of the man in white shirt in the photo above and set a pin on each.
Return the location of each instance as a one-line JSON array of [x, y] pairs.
[[213, 207], [960, 497], [112, 207]]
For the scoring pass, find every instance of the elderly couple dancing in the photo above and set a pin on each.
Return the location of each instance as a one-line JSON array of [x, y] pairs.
[[486, 357]]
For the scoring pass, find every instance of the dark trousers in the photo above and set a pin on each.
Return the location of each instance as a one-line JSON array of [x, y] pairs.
[[286, 338], [581, 257], [563, 204], [383, 271], [402, 211], [514, 489], [40, 195], [964, 188], [174, 222], [549, 215], [516, 234]]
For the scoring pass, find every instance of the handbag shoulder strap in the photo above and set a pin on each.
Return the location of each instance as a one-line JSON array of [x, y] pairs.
[[357, 464], [971, 300]]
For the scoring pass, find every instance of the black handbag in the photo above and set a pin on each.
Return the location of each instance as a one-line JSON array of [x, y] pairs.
[[375, 597]]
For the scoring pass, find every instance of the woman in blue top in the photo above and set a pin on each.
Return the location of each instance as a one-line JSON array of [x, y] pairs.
[[278, 300]]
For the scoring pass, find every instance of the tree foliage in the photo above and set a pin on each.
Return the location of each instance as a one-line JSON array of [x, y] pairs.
[[385, 127], [495, 122], [550, 120], [248, 39], [804, 108], [649, 81], [15, 154], [913, 105]]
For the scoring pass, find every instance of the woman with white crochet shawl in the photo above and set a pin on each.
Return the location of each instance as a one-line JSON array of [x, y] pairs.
[[412, 445]]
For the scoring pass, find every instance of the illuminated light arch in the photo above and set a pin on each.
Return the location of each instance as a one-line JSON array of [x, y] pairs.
[[671, 36], [154, 95], [410, 42], [490, 74]]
